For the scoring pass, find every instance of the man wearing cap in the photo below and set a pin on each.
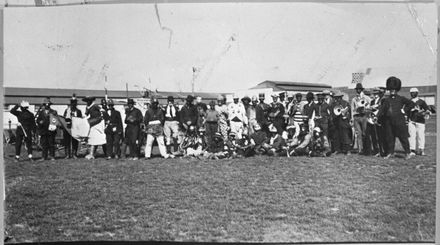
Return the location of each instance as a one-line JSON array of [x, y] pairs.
[[133, 119], [71, 144], [113, 131], [222, 111], [321, 117], [262, 112], [276, 114], [153, 120], [394, 109], [341, 120], [95, 119], [379, 125], [171, 125], [359, 104], [46, 130], [275, 145], [237, 117], [416, 125], [25, 128], [188, 113]]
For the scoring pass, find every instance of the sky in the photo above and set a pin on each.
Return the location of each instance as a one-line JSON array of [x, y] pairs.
[[221, 47]]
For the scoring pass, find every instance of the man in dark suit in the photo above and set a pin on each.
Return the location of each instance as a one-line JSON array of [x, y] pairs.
[[46, 129], [113, 131], [133, 119]]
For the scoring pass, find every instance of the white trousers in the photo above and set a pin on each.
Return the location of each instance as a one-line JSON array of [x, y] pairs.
[[416, 135], [160, 143], [171, 130]]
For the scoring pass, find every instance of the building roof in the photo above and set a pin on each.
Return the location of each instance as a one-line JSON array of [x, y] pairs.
[[292, 86], [14, 95]]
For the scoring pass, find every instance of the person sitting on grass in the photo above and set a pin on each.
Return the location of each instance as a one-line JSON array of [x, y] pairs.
[[257, 139], [314, 146], [231, 145], [244, 148], [275, 145], [216, 148], [192, 144]]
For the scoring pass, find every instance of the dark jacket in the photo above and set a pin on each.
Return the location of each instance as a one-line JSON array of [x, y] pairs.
[[175, 117], [133, 118], [392, 106], [189, 113], [418, 115], [153, 115], [114, 122], [262, 113], [94, 111], [43, 121], [25, 117]]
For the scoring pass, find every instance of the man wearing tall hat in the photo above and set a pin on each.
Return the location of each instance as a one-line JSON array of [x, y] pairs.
[[113, 131], [276, 114], [171, 125], [133, 120], [308, 109], [341, 120], [359, 104], [154, 121], [237, 117], [95, 119], [189, 114], [394, 109], [416, 125], [262, 112], [46, 129], [321, 117], [25, 128], [70, 143]]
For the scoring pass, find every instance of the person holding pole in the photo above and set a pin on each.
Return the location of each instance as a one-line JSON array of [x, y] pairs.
[[25, 127]]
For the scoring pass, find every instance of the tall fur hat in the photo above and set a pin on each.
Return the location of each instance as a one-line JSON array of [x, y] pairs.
[[394, 83]]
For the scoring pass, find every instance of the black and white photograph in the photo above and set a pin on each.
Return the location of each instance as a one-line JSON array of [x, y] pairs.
[[219, 121]]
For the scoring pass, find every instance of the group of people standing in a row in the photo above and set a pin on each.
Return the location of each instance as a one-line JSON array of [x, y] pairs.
[[288, 126]]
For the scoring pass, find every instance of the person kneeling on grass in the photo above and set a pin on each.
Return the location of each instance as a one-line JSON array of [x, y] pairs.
[[275, 145], [244, 148], [257, 139], [192, 144], [313, 145], [154, 120], [216, 148]]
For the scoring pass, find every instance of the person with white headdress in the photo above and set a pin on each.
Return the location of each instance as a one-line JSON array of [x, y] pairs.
[[96, 135], [25, 128], [416, 125]]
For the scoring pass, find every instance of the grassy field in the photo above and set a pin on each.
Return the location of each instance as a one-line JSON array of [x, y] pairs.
[[261, 199]]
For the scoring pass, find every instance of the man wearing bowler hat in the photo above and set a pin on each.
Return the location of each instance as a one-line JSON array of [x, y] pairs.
[[133, 119], [262, 111], [113, 131], [359, 104], [188, 113], [46, 129]]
